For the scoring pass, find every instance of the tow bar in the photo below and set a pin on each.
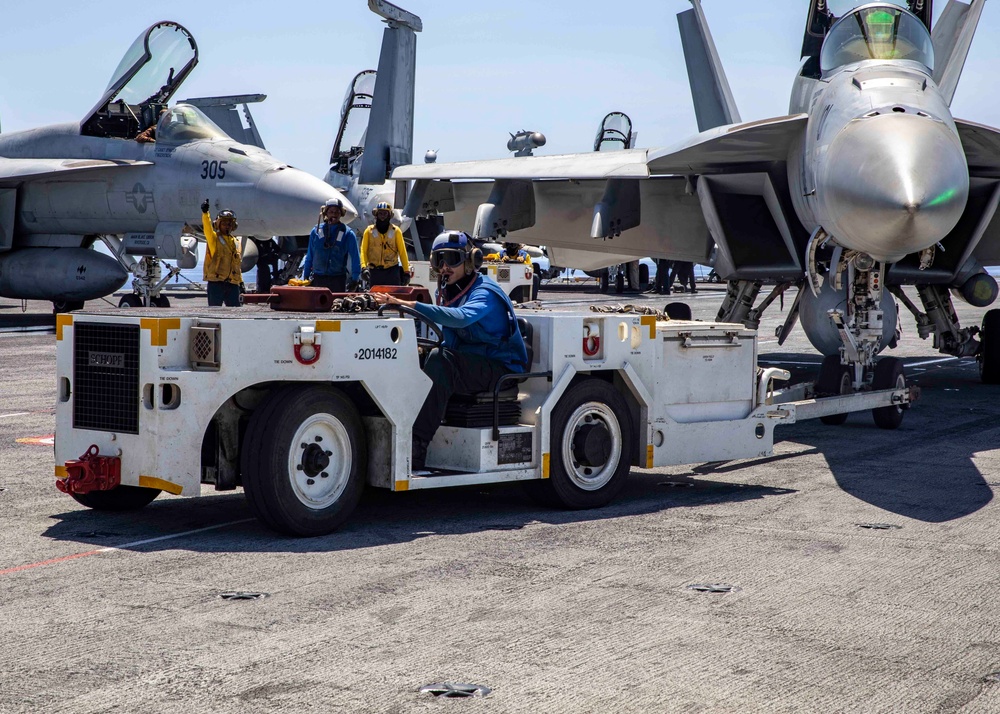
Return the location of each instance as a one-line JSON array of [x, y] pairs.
[[91, 473]]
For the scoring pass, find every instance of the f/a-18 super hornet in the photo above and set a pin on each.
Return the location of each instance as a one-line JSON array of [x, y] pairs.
[[867, 185], [375, 133], [133, 173]]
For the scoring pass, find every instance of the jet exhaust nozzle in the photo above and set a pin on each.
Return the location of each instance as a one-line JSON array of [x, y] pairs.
[[893, 184]]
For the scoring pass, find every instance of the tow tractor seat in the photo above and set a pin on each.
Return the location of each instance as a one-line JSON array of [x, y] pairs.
[[476, 410]]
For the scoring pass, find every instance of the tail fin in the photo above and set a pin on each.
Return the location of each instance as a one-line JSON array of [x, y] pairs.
[[713, 99], [952, 36], [389, 140]]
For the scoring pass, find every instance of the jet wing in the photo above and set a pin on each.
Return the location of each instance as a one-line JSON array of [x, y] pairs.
[[16, 171], [982, 148], [720, 150]]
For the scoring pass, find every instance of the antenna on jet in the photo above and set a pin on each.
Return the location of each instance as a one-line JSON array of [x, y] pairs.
[[395, 15], [524, 142]]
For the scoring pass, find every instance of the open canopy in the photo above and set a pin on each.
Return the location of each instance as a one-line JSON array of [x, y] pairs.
[[614, 133], [883, 32], [150, 72], [354, 115]]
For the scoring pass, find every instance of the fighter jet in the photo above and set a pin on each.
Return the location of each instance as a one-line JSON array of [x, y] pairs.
[[868, 184], [133, 173], [375, 133]]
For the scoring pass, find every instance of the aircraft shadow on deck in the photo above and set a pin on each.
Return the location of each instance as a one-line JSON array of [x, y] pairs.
[[925, 470], [382, 518]]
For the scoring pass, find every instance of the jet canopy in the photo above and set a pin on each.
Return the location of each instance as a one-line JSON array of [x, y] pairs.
[[614, 133], [142, 84], [880, 32], [354, 114], [183, 123]]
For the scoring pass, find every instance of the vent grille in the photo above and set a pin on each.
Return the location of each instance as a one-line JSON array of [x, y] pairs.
[[106, 377], [503, 275]]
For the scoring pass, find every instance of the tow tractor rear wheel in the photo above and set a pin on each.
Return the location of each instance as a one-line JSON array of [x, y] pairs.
[[591, 437], [989, 348], [888, 375], [120, 498], [67, 305], [160, 301], [834, 378], [303, 460]]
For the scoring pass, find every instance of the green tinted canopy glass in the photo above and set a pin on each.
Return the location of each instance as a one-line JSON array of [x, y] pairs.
[[882, 32]]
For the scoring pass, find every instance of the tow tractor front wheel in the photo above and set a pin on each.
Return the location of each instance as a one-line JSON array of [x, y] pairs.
[[120, 498], [303, 460], [591, 439]]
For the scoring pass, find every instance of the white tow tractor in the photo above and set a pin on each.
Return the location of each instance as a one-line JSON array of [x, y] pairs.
[[304, 410]]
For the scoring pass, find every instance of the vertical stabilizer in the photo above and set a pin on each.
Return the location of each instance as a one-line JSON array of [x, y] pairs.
[[225, 111], [952, 36], [389, 140], [713, 99]]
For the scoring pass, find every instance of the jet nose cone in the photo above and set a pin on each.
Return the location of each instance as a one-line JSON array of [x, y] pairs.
[[893, 184], [288, 201]]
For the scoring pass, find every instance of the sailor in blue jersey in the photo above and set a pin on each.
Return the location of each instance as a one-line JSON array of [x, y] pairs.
[[481, 338], [333, 249]]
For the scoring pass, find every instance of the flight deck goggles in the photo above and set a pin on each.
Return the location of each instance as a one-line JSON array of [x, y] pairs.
[[451, 258]]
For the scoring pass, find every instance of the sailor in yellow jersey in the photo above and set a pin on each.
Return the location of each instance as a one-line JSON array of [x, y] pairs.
[[382, 250], [222, 259]]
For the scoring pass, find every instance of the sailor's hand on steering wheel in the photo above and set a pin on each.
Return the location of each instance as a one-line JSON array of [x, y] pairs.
[[390, 299]]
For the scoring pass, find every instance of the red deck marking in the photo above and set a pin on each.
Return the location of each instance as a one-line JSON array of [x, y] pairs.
[[51, 561]]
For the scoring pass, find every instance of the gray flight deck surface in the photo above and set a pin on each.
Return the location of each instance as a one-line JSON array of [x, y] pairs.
[[554, 611]]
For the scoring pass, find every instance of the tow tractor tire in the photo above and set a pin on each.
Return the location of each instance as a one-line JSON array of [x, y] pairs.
[[989, 350], [303, 460], [120, 498], [834, 378], [130, 300], [160, 301], [591, 448], [888, 375], [602, 282], [536, 282]]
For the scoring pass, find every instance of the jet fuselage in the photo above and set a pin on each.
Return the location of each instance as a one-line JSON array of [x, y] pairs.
[[880, 166]]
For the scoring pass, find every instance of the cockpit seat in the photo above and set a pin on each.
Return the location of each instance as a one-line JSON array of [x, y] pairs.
[[476, 410]]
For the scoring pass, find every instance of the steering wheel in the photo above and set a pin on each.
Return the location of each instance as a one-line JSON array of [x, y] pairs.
[[423, 343]]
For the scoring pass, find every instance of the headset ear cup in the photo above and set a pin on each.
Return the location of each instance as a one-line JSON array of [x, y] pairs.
[[476, 259]]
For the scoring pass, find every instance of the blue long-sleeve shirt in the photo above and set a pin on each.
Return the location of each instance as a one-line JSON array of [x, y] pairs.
[[333, 248], [484, 323]]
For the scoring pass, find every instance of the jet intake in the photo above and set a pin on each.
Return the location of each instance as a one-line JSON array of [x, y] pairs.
[[892, 185]]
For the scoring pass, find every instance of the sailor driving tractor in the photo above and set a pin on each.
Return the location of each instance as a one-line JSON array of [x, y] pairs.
[[481, 337], [511, 253]]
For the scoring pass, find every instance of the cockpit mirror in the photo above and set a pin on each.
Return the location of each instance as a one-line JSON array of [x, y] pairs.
[[354, 115], [151, 71]]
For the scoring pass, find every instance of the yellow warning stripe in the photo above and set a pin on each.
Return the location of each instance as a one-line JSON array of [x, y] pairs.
[[61, 471], [545, 465], [650, 321], [327, 325], [62, 320], [153, 482], [401, 486], [649, 456], [158, 328]]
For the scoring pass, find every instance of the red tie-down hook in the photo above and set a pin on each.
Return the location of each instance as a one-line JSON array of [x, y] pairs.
[[591, 340], [307, 346], [91, 473]]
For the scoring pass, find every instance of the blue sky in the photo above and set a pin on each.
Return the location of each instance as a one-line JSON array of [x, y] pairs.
[[483, 69]]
